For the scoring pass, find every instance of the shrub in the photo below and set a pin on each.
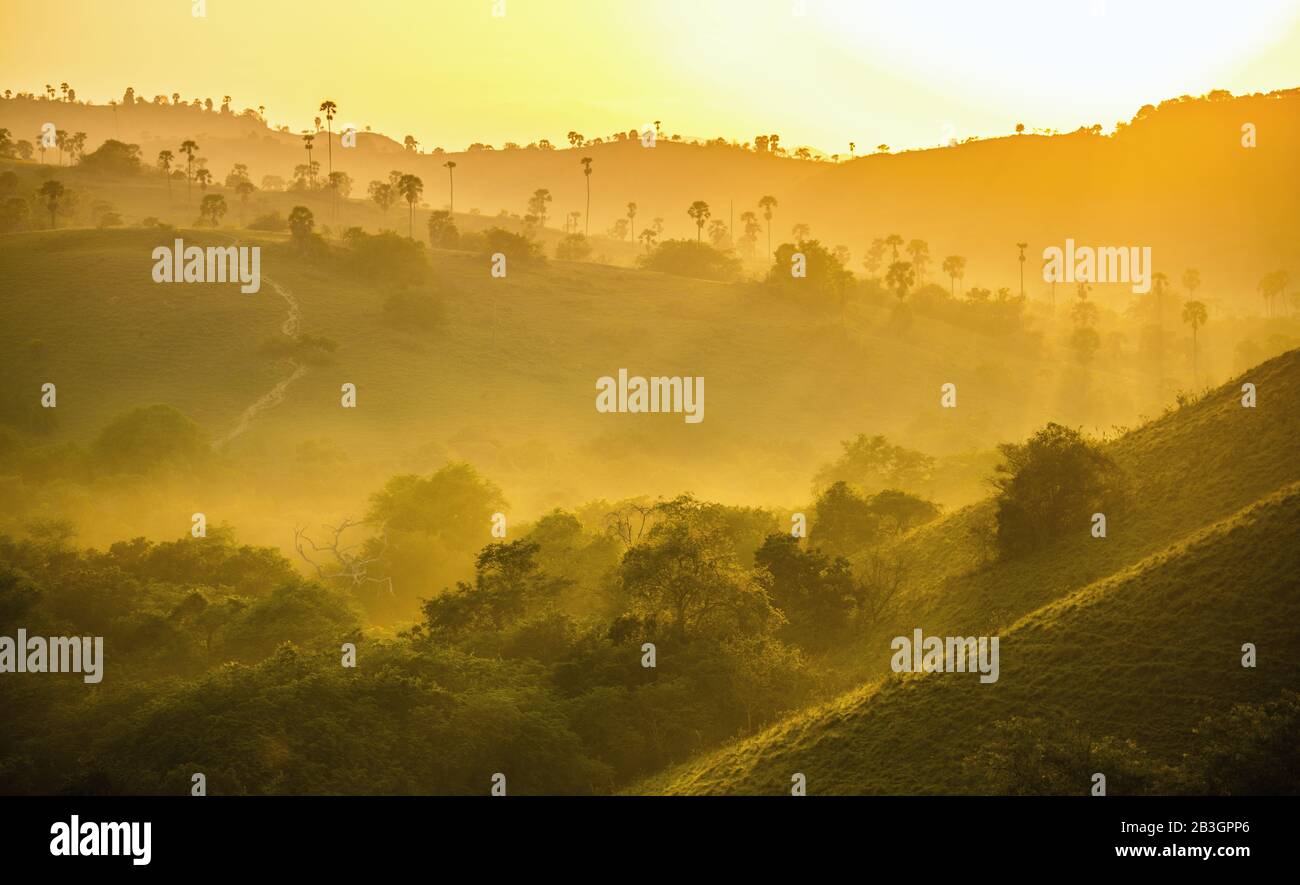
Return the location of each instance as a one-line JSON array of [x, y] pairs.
[[688, 258]]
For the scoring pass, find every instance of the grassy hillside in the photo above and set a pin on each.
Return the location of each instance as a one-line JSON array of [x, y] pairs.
[[1137, 635], [506, 379]]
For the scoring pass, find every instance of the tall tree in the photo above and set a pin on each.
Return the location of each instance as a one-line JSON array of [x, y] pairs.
[[767, 204], [383, 195], [329, 108], [894, 242], [1022, 247], [900, 278], [919, 251], [165, 165], [537, 204], [410, 187], [586, 172], [308, 140], [188, 148], [955, 267], [451, 186], [52, 191], [699, 211], [631, 218], [1271, 286], [1194, 315]]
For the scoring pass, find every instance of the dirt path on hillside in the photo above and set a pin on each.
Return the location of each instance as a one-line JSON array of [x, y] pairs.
[[275, 395]]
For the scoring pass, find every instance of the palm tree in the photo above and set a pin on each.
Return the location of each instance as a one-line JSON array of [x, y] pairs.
[[410, 187], [894, 242], [410, 143], [919, 250], [1022, 247], [383, 195], [244, 189], [308, 140], [647, 236], [1272, 286], [1194, 315], [188, 148], [202, 176], [699, 211], [52, 191], [631, 219], [586, 171], [800, 232], [63, 87], [767, 204], [1191, 280], [451, 183], [60, 142], [165, 164], [900, 278], [955, 267], [329, 108], [537, 205], [40, 145]]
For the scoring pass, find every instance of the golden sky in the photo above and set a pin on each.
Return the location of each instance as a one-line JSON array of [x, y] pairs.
[[819, 72]]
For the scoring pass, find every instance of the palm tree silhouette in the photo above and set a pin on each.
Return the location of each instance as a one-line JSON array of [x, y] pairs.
[[451, 184], [699, 211], [52, 191], [308, 140], [165, 164], [586, 171], [895, 242], [329, 108], [537, 205], [955, 267], [767, 204], [410, 187], [631, 219], [188, 147], [1194, 315], [1022, 247]]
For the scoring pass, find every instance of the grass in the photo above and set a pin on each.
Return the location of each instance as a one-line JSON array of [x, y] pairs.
[[1136, 635]]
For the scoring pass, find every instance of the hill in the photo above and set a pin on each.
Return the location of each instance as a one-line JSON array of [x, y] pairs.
[[1136, 636], [1222, 207]]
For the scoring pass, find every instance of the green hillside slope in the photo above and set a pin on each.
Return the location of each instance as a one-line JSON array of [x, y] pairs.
[[1143, 655], [1211, 510]]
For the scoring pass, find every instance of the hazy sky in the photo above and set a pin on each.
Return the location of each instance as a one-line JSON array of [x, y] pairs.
[[819, 72]]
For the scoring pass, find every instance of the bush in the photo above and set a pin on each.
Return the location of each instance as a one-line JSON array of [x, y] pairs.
[[1049, 487], [271, 221], [150, 438], [113, 157], [385, 256], [574, 247], [689, 258], [517, 248]]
